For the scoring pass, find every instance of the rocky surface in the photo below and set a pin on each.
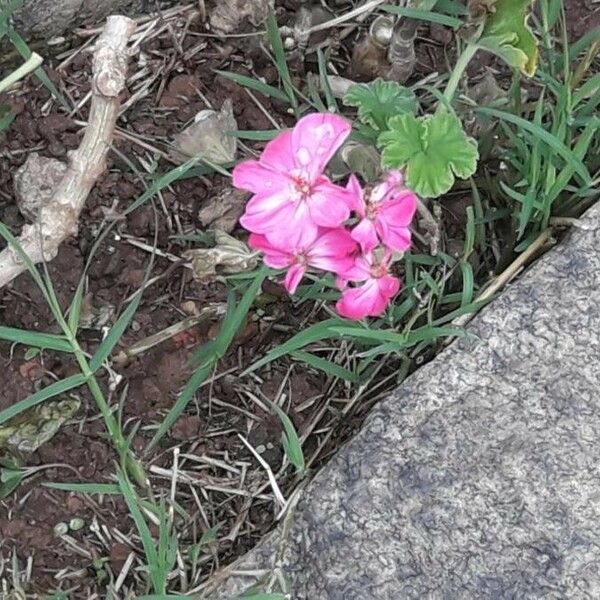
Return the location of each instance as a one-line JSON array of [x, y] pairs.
[[480, 477]]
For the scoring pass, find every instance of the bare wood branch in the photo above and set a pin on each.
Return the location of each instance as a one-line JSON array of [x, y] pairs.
[[58, 219]]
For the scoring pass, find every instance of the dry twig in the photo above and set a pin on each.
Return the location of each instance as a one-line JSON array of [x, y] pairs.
[[58, 219]]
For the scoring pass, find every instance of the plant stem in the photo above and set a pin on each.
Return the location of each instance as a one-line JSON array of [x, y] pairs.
[[459, 68], [32, 63], [134, 467]]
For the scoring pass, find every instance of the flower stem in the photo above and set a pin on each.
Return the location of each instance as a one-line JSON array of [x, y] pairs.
[[459, 68]]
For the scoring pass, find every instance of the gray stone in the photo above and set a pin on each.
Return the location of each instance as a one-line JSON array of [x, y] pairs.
[[48, 18], [479, 477]]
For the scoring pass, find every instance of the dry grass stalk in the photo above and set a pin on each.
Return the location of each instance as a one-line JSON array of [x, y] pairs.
[[58, 219]]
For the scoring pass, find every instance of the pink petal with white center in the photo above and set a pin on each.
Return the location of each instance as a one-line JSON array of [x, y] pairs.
[[394, 238], [332, 251], [277, 258], [369, 300], [389, 286], [294, 277], [360, 270], [390, 186], [328, 204], [278, 154], [267, 212], [255, 177], [366, 235], [315, 139], [296, 231], [399, 209]]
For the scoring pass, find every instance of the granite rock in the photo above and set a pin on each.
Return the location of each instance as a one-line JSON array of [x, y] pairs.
[[479, 478]]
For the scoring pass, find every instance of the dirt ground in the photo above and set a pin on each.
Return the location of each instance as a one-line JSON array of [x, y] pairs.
[[222, 410]]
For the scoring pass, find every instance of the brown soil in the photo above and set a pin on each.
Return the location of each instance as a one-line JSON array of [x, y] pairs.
[[211, 425]]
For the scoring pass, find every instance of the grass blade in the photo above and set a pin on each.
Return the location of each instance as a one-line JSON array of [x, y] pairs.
[[216, 350], [423, 15], [37, 340], [257, 86], [23, 49], [325, 365], [257, 136], [546, 137], [290, 440], [280, 59], [140, 522], [60, 387], [85, 488], [115, 333], [314, 333]]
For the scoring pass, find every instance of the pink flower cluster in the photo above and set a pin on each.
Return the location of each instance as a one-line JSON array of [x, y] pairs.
[[299, 219]]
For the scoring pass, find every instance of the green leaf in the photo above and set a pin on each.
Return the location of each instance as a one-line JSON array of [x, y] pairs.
[[507, 34], [256, 85], [327, 366], [135, 511], [35, 339], [280, 60], [210, 534], [59, 387], [313, 333], [379, 101], [423, 15], [290, 440], [432, 149], [85, 488], [10, 481], [6, 116], [115, 333]]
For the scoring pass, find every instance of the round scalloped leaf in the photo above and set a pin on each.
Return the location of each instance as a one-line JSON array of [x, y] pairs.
[[380, 100], [432, 150]]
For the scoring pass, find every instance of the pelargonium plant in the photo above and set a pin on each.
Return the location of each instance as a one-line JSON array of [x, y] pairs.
[[299, 219]]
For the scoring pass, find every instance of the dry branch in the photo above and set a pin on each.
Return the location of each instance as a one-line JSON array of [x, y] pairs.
[[58, 219]]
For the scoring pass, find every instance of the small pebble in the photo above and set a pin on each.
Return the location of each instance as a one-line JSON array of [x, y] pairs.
[[76, 524]]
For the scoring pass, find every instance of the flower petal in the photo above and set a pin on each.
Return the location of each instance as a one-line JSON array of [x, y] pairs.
[[370, 299], [359, 271], [328, 204], [356, 196], [394, 238], [294, 277], [366, 235], [278, 154], [332, 243], [388, 286], [360, 302], [277, 258], [399, 209], [257, 178], [296, 231], [315, 138], [265, 212], [391, 185]]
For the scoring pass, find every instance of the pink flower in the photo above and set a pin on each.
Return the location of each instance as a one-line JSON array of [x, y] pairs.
[[292, 197], [372, 298], [328, 250], [385, 215]]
